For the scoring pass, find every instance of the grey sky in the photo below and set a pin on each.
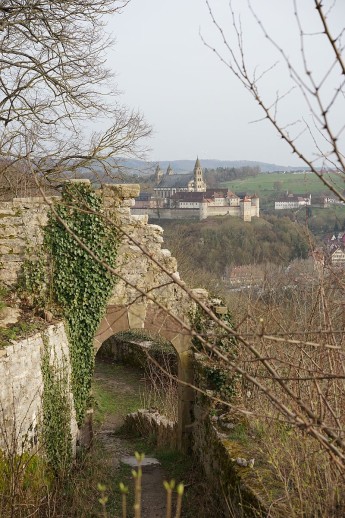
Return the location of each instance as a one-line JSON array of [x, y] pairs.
[[195, 105]]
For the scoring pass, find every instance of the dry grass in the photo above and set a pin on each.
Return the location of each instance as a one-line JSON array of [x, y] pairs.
[[160, 391], [301, 314]]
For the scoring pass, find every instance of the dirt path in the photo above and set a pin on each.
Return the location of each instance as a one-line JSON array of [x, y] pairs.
[[117, 392]]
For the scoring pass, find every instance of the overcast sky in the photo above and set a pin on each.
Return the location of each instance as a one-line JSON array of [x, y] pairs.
[[194, 104]]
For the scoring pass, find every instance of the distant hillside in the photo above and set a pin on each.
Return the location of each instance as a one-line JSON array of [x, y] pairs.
[[123, 170], [186, 166], [182, 166]]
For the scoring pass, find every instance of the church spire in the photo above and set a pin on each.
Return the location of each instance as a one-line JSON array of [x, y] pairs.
[[199, 184]]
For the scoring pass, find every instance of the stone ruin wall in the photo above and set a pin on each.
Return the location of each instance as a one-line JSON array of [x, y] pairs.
[[136, 268], [21, 387], [21, 236], [21, 223]]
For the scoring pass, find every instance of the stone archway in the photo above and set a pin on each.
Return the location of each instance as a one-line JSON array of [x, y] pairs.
[[145, 316]]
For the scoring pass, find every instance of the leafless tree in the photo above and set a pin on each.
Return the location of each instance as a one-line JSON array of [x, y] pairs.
[[319, 83], [55, 88]]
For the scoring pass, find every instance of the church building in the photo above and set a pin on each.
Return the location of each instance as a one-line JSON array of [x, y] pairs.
[[170, 183]]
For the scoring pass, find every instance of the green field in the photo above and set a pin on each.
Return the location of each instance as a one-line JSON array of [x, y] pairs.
[[267, 184]]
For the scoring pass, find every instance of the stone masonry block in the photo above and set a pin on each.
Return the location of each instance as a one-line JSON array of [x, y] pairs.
[[123, 191]]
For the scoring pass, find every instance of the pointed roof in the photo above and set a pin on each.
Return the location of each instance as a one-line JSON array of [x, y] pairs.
[[197, 163], [175, 181], [170, 170]]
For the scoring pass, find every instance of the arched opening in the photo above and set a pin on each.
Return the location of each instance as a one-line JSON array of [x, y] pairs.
[[147, 317], [155, 363]]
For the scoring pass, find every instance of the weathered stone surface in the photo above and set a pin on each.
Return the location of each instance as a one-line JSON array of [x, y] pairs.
[[225, 462], [201, 294], [9, 316], [123, 191], [149, 423], [145, 297], [21, 223], [22, 385], [137, 316], [141, 218]]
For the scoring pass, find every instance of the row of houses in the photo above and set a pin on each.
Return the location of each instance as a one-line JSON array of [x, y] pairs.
[[295, 201]]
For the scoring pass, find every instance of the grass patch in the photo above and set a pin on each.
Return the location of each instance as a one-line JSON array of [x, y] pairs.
[[16, 332], [25, 483], [79, 495], [239, 434], [123, 400], [175, 464], [264, 183], [104, 403]]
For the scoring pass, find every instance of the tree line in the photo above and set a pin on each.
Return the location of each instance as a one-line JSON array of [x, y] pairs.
[[218, 243], [214, 177]]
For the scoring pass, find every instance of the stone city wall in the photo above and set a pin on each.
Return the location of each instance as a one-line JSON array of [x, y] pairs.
[[201, 213], [155, 214], [21, 224]]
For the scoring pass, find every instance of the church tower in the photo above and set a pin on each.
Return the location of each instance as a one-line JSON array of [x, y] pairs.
[[170, 171], [199, 184], [158, 175]]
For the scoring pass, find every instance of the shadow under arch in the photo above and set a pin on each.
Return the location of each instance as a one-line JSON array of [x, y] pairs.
[[147, 317]]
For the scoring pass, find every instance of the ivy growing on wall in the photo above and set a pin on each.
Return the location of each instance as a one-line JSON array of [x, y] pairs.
[[56, 429], [34, 281], [81, 286], [216, 376]]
